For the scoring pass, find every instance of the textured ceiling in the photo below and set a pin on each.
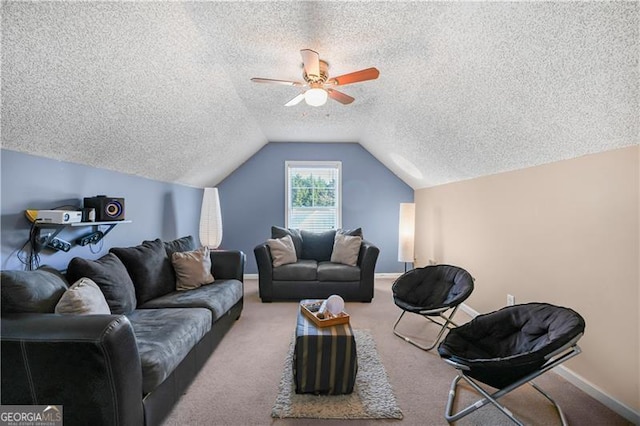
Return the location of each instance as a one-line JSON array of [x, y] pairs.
[[162, 89]]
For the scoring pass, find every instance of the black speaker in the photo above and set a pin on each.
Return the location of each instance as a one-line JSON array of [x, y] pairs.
[[107, 208]]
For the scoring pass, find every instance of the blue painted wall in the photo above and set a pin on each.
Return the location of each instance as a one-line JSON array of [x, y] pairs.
[[157, 209], [253, 199]]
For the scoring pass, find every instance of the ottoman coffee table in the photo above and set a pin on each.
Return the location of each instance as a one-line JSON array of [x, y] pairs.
[[324, 358]]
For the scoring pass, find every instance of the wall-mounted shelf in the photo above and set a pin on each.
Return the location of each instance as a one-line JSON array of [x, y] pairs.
[[57, 227]]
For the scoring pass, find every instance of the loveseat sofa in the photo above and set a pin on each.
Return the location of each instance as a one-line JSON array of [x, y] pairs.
[[313, 274], [127, 367]]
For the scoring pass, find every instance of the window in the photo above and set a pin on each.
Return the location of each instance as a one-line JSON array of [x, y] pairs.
[[313, 191]]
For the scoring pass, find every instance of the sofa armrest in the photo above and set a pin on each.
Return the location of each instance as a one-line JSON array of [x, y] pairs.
[[88, 364], [227, 264], [265, 272], [367, 259], [368, 256]]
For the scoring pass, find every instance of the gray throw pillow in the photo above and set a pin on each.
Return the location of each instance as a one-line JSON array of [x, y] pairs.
[[31, 291], [296, 237], [193, 268], [83, 298], [180, 244], [150, 269], [282, 250], [317, 245], [346, 249], [111, 276], [352, 232]]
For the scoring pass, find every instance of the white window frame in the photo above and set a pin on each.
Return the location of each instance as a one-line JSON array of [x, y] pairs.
[[313, 164]]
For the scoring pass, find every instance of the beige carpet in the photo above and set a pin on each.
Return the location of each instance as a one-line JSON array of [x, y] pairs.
[[372, 396], [239, 383]]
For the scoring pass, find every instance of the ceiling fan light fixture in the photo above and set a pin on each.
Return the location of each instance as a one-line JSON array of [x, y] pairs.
[[320, 86], [316, 96]]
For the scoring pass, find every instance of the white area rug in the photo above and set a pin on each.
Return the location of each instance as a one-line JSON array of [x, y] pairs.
[[372, 397]]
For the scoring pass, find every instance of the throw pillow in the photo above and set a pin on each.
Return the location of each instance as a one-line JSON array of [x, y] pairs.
[[180, 244], [317, 245], [193, 268], [282, 251], [296, 237], [31, 291], [83, 298], [352, 232], [150, 269], [110, 274], [346, 249]]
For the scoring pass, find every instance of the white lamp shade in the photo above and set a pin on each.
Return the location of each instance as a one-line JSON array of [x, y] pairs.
[[406, 232], [210, 219]]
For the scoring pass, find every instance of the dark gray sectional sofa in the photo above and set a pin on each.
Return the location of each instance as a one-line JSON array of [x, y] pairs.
[[128, 368]]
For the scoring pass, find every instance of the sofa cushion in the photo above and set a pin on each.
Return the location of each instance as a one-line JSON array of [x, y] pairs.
[[164, 338], [149, 267], [218, 297], [302, 270], [111, 276], [84, 297], [282, 251], [296, 237], [329, 271], [179, 245], [31, 291], [193, 268], [346, 249], [317, 245]]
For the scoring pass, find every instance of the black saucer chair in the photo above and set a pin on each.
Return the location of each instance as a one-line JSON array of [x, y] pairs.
[[508, 348], [431, 291]]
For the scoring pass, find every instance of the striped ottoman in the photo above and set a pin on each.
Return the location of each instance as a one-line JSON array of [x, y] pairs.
[[324, 359]]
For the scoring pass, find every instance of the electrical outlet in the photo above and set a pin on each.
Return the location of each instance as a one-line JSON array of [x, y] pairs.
[[511, 300]]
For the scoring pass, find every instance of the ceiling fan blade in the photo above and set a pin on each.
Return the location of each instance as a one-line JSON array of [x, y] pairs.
[[355, 77], [311, 61], [296, 100], [270, 80], [340, 97]]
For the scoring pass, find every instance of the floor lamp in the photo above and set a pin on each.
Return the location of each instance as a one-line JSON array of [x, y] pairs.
[[406, 233], [210, 219]]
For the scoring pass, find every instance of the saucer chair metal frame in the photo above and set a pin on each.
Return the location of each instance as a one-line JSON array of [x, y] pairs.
[[445, 288], [547, 358]]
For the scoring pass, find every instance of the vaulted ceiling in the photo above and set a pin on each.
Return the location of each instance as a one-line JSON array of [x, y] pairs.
[[162, 89]]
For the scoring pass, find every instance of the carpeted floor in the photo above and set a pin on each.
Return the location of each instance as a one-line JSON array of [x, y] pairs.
[[239, 383]]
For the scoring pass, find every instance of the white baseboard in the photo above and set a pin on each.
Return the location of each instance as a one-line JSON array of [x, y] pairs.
[[393, 275], [598, 394], [469, 310], [582, 384]]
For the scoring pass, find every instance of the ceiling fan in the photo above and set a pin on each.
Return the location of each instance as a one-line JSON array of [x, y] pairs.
[[317, 84]]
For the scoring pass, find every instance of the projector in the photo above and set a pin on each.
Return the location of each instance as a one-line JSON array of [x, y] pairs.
[[59, 217]]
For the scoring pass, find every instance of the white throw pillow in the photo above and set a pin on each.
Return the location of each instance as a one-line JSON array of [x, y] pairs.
[[193, 268], [84, 297], [282, 250], [346, 249]]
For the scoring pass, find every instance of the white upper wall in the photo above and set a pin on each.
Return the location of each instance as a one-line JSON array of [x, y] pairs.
[[162, 89]]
